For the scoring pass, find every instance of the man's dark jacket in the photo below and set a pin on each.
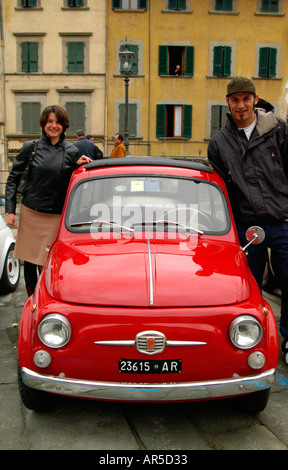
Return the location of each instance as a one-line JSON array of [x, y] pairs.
[[255, 171], [88, 148], [49, 174]]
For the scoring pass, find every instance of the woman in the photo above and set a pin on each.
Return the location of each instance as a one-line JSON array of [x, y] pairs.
[[54, 160]]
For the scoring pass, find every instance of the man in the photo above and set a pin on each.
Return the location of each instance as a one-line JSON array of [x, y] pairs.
[[251, 153], [119, 149], [99, 152], [86, 146]]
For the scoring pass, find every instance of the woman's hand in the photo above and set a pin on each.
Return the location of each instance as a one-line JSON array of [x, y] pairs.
[[82, 160], [11, 219]]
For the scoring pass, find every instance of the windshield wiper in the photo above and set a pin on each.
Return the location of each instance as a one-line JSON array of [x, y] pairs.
[[100, 222]]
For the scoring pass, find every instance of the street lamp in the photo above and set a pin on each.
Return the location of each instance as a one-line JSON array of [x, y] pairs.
[[126, 57]]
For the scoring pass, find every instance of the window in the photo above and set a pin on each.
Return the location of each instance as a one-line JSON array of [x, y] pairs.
[[75, 3], [29, 57], [222, 61], [224, 5], [170, 56], [75, 57], [176, 4], [270, 6], [174, 121], [28, 3], [218, 118], [135, 49], [132, 119], [76, 114], [267, 62], [129, 4], [30, 115]]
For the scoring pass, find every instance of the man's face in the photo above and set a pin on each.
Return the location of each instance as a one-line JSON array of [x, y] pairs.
[[241, 107]]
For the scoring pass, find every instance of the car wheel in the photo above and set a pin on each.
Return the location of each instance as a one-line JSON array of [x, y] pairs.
[[11, 273], [33, 399], [255, 402]]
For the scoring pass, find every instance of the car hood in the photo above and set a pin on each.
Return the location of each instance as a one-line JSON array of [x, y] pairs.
[[148, 273]]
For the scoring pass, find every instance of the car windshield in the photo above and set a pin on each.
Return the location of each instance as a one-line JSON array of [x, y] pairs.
[[147, 202]]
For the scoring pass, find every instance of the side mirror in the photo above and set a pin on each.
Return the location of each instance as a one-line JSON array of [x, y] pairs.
[[254, 236]]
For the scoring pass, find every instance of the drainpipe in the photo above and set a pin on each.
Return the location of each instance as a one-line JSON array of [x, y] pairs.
[[149, 80]]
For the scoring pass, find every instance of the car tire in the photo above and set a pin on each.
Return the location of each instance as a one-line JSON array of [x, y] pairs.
[[11, 273], [33, 399], [255, 402]]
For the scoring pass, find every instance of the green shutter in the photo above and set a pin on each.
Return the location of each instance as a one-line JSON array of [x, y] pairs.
[[116, 4], [272, 62], [24, 56], [132, 119], [160, 120], [189, 60], [163, 56], [263, 61], [33, 59], [187, 121], [181, 4], [76, 113], [143, 4], [29, 57], [133, 48], [172, 4], [227, 61], [30, 118], [217, 62], [75, 56]]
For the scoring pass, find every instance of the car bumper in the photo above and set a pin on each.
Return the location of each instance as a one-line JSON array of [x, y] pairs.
[[148, 391]]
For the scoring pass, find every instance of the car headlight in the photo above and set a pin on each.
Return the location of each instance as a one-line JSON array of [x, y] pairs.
[[245, 332], [54, 330]]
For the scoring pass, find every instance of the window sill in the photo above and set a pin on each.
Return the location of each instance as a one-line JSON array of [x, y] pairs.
[[74, 8], [178, 12], [267, 78], [261, 13], [176, 76], [214, 12], [29, 8], [138, 10]]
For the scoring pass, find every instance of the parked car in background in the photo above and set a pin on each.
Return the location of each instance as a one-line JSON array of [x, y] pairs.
[[9, 266], [146, 294]]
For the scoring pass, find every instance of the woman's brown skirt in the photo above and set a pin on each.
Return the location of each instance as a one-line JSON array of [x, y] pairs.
[[36, 232]]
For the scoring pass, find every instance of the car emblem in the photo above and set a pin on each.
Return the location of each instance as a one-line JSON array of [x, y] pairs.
[[150, 342]]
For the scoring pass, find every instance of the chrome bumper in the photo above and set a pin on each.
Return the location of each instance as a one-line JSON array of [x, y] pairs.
[[148, 392]]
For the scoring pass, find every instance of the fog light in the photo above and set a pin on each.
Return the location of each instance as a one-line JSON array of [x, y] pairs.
[[256, 360], [42, 359]]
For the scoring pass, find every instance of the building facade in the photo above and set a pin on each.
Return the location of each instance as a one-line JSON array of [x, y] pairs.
[[67, 52]]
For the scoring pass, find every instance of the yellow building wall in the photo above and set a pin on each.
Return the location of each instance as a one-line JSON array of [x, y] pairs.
[[199, 28]]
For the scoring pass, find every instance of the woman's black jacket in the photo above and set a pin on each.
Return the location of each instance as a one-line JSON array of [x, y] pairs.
[[49, 174]]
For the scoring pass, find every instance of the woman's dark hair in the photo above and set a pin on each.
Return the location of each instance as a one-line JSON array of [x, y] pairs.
[[59, 112]]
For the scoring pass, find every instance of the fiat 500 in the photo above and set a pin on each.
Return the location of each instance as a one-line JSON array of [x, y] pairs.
[[146, 294]]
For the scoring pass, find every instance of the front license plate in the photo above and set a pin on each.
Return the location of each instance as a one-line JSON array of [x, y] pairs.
[[140, 366]]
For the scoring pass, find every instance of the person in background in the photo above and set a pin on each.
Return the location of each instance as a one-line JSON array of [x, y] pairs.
[[86, 146], [119, 149], [251, 153], [98, 151], [49, 174]]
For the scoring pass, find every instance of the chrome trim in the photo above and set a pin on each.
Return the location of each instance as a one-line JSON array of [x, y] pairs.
[[132, 342], [148, 391], [150, 274]]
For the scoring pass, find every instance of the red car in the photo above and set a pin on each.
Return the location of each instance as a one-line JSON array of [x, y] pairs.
[[146, 294]]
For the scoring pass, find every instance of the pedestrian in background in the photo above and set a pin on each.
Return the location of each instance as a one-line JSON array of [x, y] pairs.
[[86, 146], [119, 149], [54, 160], [251, 153]]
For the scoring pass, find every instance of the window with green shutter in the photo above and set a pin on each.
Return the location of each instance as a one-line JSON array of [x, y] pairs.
[[29, 57], [174, 121], [75, 57], [28, 3], [224, 5], [132, 119], [177, 5], [218, 118], [267, 62], [30, 115], [75, 3], [129, 4], [270, 6], [222, 61], [76, 114], [176, 55]]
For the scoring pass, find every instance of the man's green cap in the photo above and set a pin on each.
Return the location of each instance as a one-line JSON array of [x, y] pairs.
[[240, 85]]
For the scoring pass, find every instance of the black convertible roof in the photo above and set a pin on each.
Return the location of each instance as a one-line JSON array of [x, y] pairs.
[[148, 161]]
